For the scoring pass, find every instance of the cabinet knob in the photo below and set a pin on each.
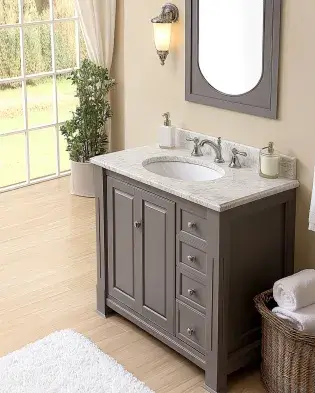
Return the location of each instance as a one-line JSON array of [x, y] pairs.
[[191, 258], [190, 331], [192, 225], [137, 224], [191, 292]]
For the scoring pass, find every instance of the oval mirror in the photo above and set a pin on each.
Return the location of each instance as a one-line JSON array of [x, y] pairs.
[[231, 34]]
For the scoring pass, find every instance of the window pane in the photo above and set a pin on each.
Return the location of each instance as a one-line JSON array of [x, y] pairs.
[[37, 50], [67, 102], [65, 50], [42, 152], [11, 107], [40, 101], [10, 53], [9, 12], [64, 9], [36, 10], [12, 160], [64, 155]]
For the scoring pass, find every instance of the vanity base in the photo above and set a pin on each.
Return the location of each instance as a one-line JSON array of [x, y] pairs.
[[186, 274], [248, 355], [156, 332]]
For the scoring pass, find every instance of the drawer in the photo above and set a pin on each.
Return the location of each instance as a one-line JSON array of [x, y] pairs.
[[190, 326], [191, 291], [192, 257], [193, 224]]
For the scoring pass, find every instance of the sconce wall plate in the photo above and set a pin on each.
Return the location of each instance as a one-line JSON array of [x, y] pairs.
[[162, 29], [169, 14]]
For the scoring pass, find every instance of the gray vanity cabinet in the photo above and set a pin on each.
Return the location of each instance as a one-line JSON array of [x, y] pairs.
[[141, 251], [187, 274]]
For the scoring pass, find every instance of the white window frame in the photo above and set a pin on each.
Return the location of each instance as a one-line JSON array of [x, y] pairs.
[[23, 80]]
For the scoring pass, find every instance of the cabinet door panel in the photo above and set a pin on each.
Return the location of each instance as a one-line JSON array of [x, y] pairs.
[[158, 260], [154, 291], [122, 262]]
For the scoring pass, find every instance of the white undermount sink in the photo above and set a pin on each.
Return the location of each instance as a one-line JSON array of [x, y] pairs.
[[183, 169]]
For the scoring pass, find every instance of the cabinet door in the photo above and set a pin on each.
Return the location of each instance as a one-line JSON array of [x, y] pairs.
[[158, 259], [122, 261]]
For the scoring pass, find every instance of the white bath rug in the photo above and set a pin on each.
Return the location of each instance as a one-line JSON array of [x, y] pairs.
[[65, 362]]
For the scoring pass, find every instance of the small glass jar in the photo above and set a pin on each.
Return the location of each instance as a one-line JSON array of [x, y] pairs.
[[269, 161]]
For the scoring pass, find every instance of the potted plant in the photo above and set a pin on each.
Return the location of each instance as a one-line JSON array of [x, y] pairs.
[[85, 133]]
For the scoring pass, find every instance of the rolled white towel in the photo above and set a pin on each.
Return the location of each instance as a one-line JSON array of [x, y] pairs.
[[302, 320], [297, 291]]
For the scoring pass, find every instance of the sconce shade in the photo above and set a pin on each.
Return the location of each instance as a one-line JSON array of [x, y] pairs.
[[162, 25], [162, 36]]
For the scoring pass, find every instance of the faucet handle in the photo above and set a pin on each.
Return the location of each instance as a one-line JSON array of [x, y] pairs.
[[195, 140], [235, 162], [196, 150], [239, 153]]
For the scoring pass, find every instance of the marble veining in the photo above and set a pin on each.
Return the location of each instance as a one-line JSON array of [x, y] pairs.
[[235, 188]]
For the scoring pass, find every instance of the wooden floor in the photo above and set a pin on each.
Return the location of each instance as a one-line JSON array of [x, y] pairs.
[[47, 283]]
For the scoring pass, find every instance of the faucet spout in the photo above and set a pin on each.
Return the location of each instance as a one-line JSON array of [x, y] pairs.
[[216, 147]]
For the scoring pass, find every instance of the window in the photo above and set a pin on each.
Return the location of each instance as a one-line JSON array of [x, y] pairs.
[[40, 43]]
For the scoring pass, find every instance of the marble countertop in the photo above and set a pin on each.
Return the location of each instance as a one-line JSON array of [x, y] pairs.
[[237, 187]]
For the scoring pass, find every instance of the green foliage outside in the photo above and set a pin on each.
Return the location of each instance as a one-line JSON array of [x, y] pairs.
[[43, 142], [37, 49], [85, 133], [37, 40]]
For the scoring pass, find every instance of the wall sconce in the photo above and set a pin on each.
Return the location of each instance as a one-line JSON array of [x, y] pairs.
[[162, 26]]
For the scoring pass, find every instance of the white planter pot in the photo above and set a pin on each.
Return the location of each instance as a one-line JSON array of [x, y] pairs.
[[82, 181]]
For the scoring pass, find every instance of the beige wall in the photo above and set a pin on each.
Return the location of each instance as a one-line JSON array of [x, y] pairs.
[[150, 90]]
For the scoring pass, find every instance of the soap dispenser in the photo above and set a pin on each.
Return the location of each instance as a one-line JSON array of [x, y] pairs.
[[269, 162], [166, 133]]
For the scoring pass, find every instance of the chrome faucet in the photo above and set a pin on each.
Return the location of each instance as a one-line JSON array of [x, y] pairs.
[[197, 152], [216, 147]]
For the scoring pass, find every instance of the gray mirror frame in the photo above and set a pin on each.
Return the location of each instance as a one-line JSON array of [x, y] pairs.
[[263, 99]]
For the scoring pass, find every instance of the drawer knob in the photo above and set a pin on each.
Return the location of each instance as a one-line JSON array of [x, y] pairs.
[[192, 225], [191, 258], [137, 224], [191, 292], [190, 331]]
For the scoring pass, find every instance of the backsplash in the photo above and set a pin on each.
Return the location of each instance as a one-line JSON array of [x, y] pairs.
[[287, 164]]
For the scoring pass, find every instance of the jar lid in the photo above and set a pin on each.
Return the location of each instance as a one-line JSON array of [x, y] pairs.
[[269, 150]]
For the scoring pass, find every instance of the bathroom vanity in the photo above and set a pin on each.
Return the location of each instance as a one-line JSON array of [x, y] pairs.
[[184, 259]]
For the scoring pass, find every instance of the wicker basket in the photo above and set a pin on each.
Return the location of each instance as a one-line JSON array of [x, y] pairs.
[[288, 356]]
